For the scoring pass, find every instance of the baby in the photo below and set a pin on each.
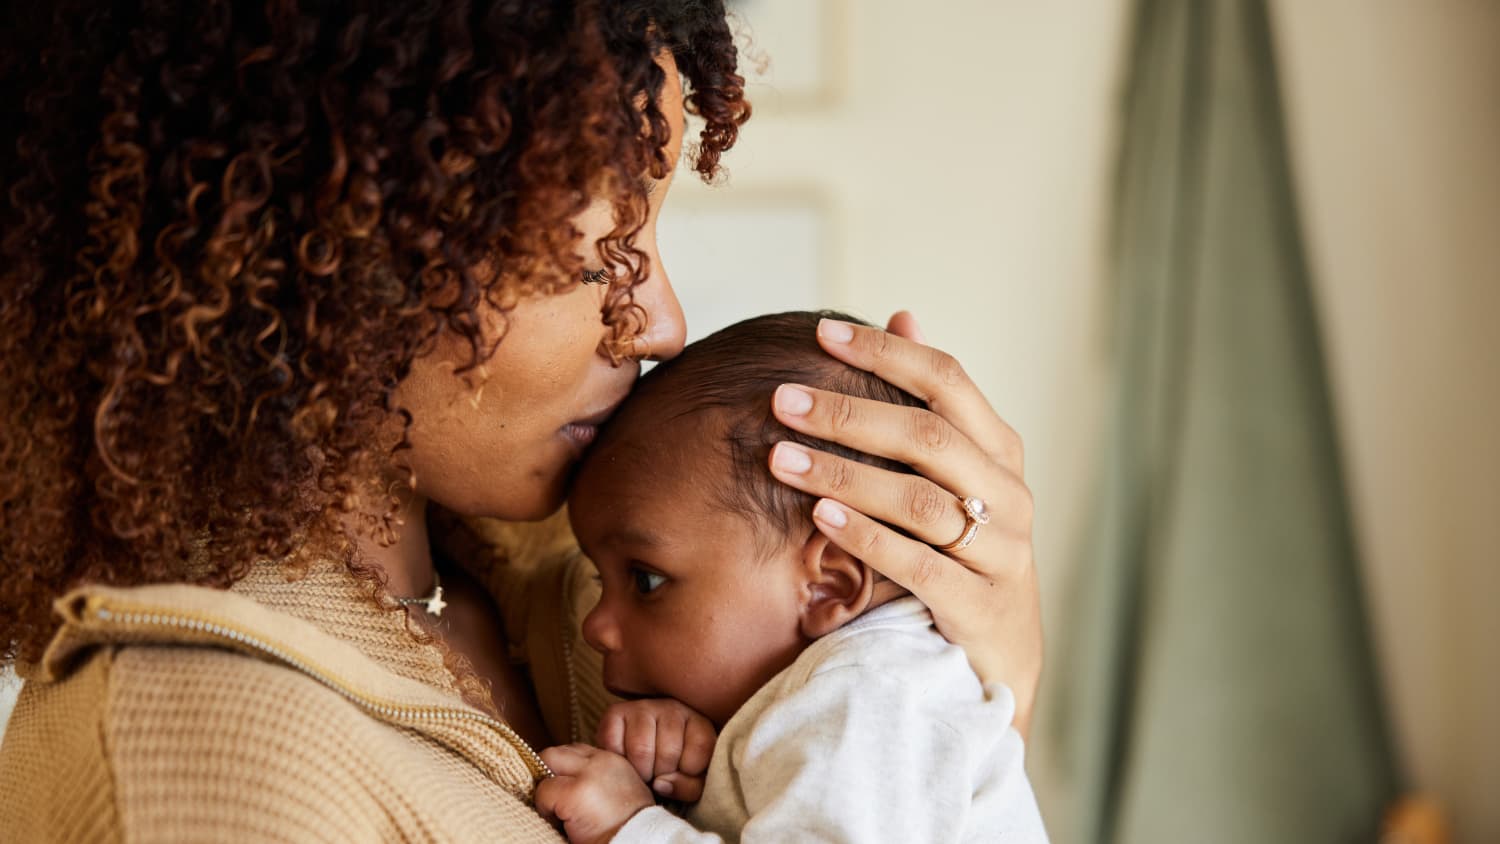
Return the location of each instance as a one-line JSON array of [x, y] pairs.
[[842, 714]]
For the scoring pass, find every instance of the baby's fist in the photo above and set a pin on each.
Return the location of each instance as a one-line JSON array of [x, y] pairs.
[[667, 743], [592, 791]]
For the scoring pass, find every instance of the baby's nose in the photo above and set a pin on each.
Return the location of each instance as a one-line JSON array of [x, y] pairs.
[[600, 630]]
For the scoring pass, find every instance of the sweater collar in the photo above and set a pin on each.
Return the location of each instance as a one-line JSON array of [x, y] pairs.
[[319, 625]]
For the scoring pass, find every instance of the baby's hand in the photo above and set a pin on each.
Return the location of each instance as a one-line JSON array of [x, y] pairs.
[[592, 791], [669, 744]]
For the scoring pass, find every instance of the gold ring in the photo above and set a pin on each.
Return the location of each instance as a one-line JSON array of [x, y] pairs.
[[976, 513]]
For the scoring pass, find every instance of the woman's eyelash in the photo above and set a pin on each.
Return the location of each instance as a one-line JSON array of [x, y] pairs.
[[596, 277]]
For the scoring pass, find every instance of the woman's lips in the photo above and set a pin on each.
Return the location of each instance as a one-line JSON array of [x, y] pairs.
[[580, 434]]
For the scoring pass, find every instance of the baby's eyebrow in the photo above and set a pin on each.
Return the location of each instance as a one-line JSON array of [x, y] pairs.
[[632, 537]]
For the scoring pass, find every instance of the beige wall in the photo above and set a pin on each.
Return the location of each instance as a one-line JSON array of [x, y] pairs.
[[964, 168], [1395, 119]]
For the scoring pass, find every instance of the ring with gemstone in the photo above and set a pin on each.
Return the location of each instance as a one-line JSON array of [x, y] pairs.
[[976, 513]]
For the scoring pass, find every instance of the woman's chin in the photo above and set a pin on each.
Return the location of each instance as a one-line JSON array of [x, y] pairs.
[[529, 498], [536, 513], [511, 492], [546, 496]]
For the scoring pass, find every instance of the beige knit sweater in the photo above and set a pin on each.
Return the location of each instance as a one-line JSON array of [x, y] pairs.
[[290, 711]]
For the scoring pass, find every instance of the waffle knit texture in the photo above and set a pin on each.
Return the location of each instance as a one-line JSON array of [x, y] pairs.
[[287, 710]]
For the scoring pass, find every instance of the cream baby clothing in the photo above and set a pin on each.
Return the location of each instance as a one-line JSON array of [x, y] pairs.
[[878, 732]]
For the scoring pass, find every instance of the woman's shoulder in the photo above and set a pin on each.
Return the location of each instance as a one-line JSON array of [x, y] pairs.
[[130, 707], [55, 782], [200, 737], [155, 734]]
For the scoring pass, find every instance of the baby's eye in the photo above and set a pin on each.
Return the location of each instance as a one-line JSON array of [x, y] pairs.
[[646, 582], [596, 277]]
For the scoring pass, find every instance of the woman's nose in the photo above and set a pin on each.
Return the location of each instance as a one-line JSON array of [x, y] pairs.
[[600, 630], [666, 329]]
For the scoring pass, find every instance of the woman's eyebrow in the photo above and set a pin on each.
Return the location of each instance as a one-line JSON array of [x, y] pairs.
[[648, 185]]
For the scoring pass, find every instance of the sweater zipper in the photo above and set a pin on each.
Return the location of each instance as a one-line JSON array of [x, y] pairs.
[[108, 611]]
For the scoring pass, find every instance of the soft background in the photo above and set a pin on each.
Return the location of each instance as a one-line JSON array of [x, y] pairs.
[[956, 159]]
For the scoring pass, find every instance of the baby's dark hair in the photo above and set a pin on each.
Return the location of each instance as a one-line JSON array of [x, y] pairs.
[[732, 375]]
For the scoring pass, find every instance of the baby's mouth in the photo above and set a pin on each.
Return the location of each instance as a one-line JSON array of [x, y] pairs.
[[626, 693]]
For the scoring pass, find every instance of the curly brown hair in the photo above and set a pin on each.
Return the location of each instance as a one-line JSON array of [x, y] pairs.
[[230, 227]]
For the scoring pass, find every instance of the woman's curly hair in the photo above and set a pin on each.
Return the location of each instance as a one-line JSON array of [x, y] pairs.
[[230, 226]]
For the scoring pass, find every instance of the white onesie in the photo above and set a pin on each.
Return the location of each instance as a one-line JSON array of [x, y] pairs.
[[878, 732]]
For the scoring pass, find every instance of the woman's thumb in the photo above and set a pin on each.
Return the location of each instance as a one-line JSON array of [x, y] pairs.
[[903, 324]]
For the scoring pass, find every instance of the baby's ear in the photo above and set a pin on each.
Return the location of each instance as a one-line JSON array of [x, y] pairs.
[[838, 587]]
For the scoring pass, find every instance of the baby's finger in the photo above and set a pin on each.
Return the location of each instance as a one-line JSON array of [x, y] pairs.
[[679, 786], [611, 733], [697, 746], [640, 742], [549, 793], [669, 740], [567, 759]]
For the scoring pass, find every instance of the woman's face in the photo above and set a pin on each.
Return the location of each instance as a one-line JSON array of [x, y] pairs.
[[500, 440]]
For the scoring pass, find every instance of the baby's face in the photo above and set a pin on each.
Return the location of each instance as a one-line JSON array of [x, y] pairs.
[[690, 610]]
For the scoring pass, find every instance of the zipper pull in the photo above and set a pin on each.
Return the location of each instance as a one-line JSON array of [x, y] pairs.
[[82, 609], [94, 608]]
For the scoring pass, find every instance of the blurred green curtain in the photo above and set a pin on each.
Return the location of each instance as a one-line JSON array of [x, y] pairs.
[[1215, 681]]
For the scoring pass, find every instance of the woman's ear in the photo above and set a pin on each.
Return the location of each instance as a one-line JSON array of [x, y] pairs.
[[838, 587]]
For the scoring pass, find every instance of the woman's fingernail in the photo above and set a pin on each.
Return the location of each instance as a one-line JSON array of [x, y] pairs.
[[790, 457], [662, 786], [792, 399], [834, 331], [831, 514]]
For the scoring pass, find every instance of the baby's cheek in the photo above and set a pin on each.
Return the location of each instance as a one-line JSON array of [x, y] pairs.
[[723, 678]]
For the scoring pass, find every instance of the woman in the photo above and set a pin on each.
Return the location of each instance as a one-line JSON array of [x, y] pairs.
[[280, 277]]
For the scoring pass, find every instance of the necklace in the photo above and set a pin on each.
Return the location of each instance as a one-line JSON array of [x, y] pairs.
[[432, 602]]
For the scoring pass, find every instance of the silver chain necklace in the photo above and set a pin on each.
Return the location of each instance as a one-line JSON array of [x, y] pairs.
[[432, 602]]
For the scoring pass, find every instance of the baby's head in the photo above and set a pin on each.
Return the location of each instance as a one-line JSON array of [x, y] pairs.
[[714, 577]]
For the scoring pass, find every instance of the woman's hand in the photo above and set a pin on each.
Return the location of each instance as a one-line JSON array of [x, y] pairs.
[[983, 596]]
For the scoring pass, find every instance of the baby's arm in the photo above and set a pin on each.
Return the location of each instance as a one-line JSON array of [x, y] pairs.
[[855, 755], [862, 755]]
